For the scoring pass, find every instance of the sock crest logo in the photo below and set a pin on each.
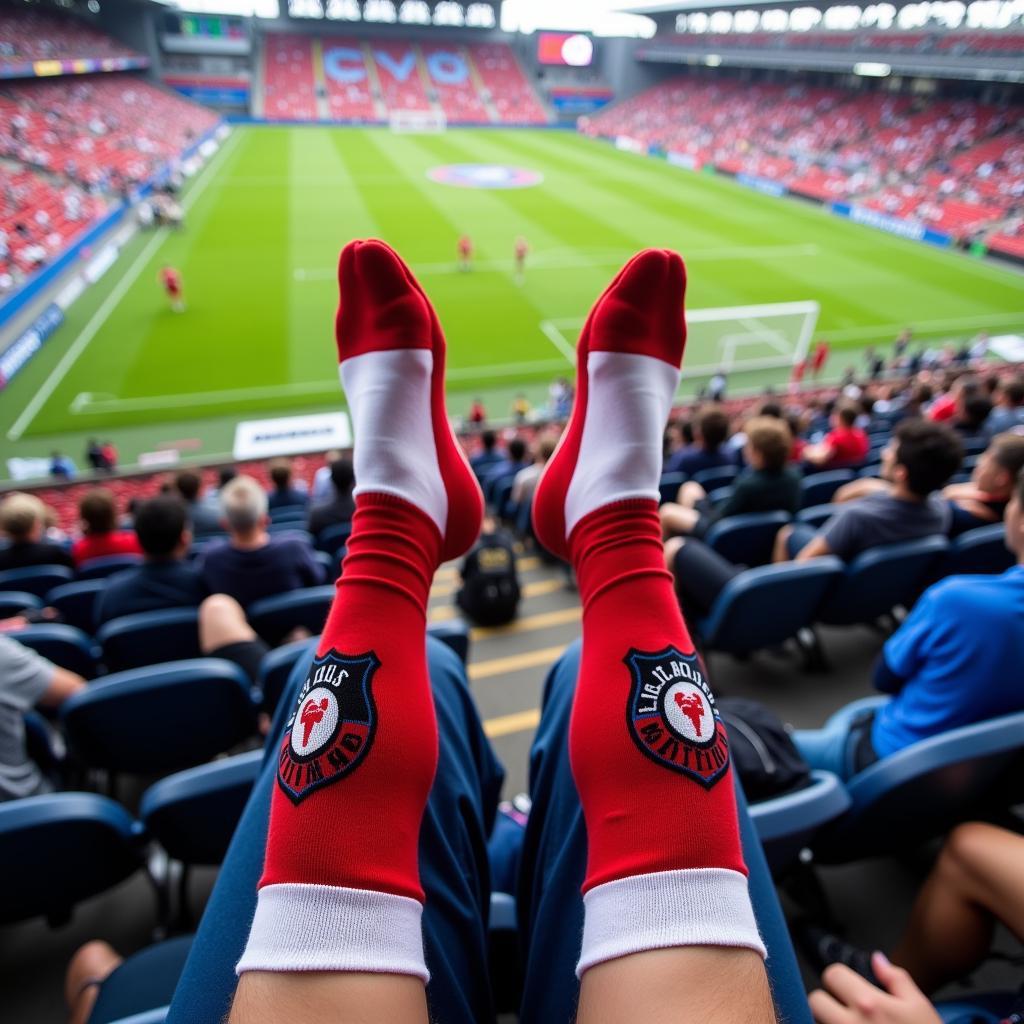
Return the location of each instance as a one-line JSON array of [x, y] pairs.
[[332, 727], [672, 716]]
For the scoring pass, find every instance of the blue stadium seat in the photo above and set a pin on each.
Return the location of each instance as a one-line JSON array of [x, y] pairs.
[[193, 813], [140, 988], [982, 550], [926, 789], [818, 488], [333, 538], [149, 721], [879, 579], [747, 539], [289, 514], [149, 638], [974, 445], [817, 515], [36, 579], [276, 667], [331, 564], [14, 602], [669, 486], [712, 479], [274, 617], [767, 606], [76, 602], [63, 645], [787, 824], [453, 634], [101, 568], [297, 531], [872, 469], [720, 494], [59, 849]]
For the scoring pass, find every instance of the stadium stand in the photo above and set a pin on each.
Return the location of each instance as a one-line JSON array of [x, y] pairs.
[[37, 35], [352, 99], [504, 79], [289, 89]]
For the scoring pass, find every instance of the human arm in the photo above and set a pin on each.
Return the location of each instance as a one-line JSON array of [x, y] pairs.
[[860, 488], [817, 547], [62, 685], [847, 998]]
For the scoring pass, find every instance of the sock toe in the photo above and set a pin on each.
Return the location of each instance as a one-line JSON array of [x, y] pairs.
[[378, 306]]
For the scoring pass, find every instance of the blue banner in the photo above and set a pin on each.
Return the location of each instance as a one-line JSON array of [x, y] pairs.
[[911, 229], [765, 185], [26, 345]]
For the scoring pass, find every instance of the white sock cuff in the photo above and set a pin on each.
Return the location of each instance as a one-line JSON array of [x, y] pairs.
[[692, 907], [300, 927]]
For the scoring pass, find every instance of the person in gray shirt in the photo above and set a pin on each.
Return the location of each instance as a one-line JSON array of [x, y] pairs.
[[26, 679], [920, 458]]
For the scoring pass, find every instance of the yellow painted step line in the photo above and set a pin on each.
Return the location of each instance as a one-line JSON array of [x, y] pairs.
[[534, 589], [530, 622], [504, 725], [447, 612], [515, 662], [446, 579]]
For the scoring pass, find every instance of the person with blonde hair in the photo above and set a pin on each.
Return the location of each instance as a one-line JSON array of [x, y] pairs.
[[23, 523]]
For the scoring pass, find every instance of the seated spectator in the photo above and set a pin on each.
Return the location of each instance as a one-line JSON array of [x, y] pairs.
[[164, 580], [920, 458], [516, 458], [284, 491], [1009, 408], [224, 632], [980, 502], [26, 679], [323, 489], [211, 499], [100, 536], [944, 407], [709, 451], [341, 506], [525, 482], [844, 445], [769, 484], [201, 517], [23, 522], [61, 466], [488, 457], [251, 564], [955, 661], [971, 415]]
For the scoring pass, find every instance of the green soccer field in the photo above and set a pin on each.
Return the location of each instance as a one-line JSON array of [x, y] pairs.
[[266, 219]]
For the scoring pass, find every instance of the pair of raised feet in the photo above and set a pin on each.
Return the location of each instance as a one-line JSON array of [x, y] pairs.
[[392, 354]]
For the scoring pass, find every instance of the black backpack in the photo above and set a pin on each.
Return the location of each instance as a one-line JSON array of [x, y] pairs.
[[490, 583], [763, 753]]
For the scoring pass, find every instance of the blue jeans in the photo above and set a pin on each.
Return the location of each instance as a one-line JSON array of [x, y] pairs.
[[455, 873], [832, 747]]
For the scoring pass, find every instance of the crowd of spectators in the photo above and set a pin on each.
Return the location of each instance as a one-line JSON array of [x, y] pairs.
[[954, 165]]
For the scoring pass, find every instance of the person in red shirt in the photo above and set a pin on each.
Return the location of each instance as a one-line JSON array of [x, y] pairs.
[[820, 357], [844, 445], [171, 280], [521, 251], [100, 536], [477, 413], [465, 253]]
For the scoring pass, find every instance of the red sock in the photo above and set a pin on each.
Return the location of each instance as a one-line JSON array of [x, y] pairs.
[[648, 753], [340, 887]]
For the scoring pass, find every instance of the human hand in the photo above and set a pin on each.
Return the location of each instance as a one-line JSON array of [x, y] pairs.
[[851, 999]]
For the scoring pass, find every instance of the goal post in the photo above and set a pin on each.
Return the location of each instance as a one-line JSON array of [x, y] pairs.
[[409, 122], [737, 338]]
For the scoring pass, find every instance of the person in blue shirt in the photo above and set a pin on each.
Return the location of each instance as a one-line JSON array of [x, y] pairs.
[[709, 450], [955, 661], [488, 457]]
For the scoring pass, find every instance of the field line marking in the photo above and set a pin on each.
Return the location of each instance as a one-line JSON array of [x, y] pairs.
[[555, 336], [99, 318], [983, 320]]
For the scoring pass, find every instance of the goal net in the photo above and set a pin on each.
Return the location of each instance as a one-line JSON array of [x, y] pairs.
[[748, 337], [405, 122]]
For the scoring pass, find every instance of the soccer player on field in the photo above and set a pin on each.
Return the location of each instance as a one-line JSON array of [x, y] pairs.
[[521, 251], [819, 358], [465, 253], [171, 280]]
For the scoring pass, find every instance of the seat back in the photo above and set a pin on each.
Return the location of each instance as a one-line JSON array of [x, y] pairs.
[[149, 721], [982, 550], [765, 607], [274, 617], [719, 476], [926, 789], [101, 568], [453, 634], [193, 813], [276, 667], [14, 602], [669, 486], [61, 848], [76, 602], [787, 824], [747, 539], [818, 488], [64, 645], [332, 538], [150, 638], [288, 514], [36, 579], [817, 515], [879, 579]]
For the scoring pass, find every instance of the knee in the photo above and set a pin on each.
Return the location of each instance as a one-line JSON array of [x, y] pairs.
[[966, 845], [218, 609], [672, 548]]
